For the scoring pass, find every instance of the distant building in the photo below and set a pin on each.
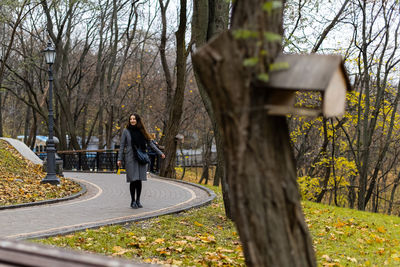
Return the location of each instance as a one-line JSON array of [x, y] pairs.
[[40, 143]]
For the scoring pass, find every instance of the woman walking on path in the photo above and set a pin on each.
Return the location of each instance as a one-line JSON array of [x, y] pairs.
[[134, 137]]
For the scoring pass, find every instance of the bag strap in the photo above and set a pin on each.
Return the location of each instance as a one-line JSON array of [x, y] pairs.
[[138, 148]]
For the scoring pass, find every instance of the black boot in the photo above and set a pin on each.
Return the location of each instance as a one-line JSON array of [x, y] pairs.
[[132, 188], [134, 205], [138, 193], [138, 203]]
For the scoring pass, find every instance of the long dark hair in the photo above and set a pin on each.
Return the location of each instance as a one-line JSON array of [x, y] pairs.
[[140, 125]]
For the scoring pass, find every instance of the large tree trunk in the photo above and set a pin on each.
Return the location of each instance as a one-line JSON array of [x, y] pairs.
[[210, 17], [259, 161]]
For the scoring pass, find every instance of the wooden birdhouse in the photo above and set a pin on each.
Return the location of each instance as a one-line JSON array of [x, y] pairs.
[[309, 73]]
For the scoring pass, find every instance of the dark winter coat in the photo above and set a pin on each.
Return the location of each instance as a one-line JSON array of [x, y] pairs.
[[134, 170]]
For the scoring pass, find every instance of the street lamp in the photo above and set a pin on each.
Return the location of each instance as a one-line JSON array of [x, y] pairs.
[[50, 56]]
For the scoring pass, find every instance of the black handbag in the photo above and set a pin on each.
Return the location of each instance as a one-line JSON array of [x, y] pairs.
[[142, 156]]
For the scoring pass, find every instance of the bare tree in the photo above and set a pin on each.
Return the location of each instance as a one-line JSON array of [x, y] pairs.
[[6, 12], [376, 53], [174, 104]]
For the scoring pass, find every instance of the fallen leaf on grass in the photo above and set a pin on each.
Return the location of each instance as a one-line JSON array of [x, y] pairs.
[[224, 250], [381, 229], [352, 259], [190, 238], [327, 258], [159, 240], [181, 242], [207, 239], [163, 251]]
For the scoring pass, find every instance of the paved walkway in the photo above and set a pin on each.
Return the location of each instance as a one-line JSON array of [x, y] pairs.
[[106, 202]]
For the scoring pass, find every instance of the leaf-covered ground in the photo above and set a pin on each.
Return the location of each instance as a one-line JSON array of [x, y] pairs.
[[198, 237], [346, 237], [20, 180], [205, 237]]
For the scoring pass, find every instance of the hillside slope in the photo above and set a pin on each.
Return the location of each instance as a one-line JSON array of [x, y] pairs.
[[347, 237], [20, 180]]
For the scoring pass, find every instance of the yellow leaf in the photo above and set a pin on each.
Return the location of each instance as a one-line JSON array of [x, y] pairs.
[[379, 240], [163, 251], [122, 252], [190, 238], [332, 236], [212, 256], [159, 240], [208, 239], [224, 250], [396, 257], [381, 229], [117, 248], [380, 251], [197, 224], [181, 242], [339, 224]]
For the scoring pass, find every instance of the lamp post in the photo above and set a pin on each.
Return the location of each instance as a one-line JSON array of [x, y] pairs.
[[50, 56]]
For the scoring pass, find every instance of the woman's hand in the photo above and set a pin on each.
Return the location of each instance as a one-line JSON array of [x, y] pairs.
[[162, 156], [119, 163]]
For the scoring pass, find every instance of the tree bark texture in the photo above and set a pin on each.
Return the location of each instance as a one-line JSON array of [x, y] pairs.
[[176, 107], [163, 55], [260, 166], [210, 18]]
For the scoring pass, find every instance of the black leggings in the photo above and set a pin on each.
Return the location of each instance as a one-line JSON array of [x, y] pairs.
[[135, 186]]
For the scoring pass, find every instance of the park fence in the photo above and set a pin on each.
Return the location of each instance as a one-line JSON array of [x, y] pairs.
[[106, 160]]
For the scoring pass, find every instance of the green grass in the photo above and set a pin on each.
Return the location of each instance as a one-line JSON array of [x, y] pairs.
[[346, 237], [204, 237], [198, 237]]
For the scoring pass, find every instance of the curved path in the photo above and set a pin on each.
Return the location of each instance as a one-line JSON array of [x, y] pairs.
[[106, 202]]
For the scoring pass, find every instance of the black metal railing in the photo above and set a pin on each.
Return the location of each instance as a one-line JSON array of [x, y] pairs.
[[88, 160], [106, 160]]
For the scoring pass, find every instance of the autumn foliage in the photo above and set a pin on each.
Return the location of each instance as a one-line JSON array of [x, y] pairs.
[[20, 180]]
